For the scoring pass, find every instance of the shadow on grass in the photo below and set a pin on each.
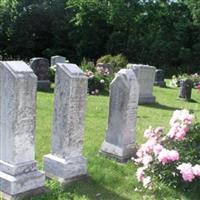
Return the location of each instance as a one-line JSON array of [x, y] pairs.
[[92, 190], [50, 90], [189, 101], [83, 189], [160, 106]]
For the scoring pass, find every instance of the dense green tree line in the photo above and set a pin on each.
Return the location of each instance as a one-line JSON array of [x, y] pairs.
[[162, 33]]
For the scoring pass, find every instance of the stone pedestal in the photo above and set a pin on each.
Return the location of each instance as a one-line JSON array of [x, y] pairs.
[[66, 162], [145, 75], [57, 59], [160, 78], [44, 85], [18, 170], [120, 136]]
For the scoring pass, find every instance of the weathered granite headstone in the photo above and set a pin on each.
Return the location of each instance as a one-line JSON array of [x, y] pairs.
[[160, 78], [145, 75], [66, 163], [186, 89], [57, 59], [18, 170], [120, 136], [40, 67]]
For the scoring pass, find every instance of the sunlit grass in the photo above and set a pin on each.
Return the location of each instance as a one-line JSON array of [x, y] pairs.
[[109, 180]]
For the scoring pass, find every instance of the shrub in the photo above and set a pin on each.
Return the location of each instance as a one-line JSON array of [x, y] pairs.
[[172, 158], [117, 62], [177, 79], [87, 65], [98, 80], [98, 83], [51, 73]]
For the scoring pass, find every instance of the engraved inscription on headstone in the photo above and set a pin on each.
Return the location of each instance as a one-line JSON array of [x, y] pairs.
[[18, 170], [120, 135], [66, 162]]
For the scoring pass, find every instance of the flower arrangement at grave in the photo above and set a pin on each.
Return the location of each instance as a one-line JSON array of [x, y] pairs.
[[173, 157], [99, 78], [198, 88], [175, 81]]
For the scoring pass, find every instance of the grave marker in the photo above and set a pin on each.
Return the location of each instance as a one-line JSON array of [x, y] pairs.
[[120, 136], [66, 163], [18, 170]]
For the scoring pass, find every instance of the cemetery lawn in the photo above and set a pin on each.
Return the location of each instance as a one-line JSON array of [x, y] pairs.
[[109, 180]]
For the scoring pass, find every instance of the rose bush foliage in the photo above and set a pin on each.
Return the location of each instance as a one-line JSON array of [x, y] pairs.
[[171, 158]]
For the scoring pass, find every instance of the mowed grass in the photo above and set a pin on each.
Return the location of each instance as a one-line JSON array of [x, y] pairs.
[[109, 180]]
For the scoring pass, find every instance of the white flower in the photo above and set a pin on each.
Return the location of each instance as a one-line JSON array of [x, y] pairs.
[[102, 81], [146, 181]]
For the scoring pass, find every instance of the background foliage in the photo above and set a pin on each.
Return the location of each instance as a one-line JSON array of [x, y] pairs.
[[162, 33]]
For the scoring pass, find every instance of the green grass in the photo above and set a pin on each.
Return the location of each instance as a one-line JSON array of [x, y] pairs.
[[109, 180]]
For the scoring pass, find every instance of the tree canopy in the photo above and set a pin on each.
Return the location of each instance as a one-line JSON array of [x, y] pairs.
[[162, 33]]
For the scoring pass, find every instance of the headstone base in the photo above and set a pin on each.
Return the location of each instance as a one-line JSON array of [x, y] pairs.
[[147, 100], [160, 83], [121, 154], [65, 170], [28, 195], [14, 186], [43, 85]]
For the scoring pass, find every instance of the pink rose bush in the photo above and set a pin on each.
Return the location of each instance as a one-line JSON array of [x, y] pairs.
[[168, 155]]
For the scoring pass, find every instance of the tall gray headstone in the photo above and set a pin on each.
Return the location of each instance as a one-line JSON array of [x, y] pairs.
[[57, 59], [18, 170], [40, 67], [145, 75], [120, 136], [66, 163]]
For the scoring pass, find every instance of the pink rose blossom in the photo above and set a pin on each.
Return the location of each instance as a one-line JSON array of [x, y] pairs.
[[140, 174], [196, 170], [138, 160], [180, 135], [147, 159], [178, 131], [186, 171], [163, 156], [146, 181], [158, 131], [166, 156], [173, 155], [153, 133], [157, 149], [148, 133], [172, 132], [139, 153], [181, 116]]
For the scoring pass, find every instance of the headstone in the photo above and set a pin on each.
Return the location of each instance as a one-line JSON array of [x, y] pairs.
[[18, 170], [145, 75], [160, 78], [186, 89], [40, 67], [57, 59], [66, 163], [120, 136]]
